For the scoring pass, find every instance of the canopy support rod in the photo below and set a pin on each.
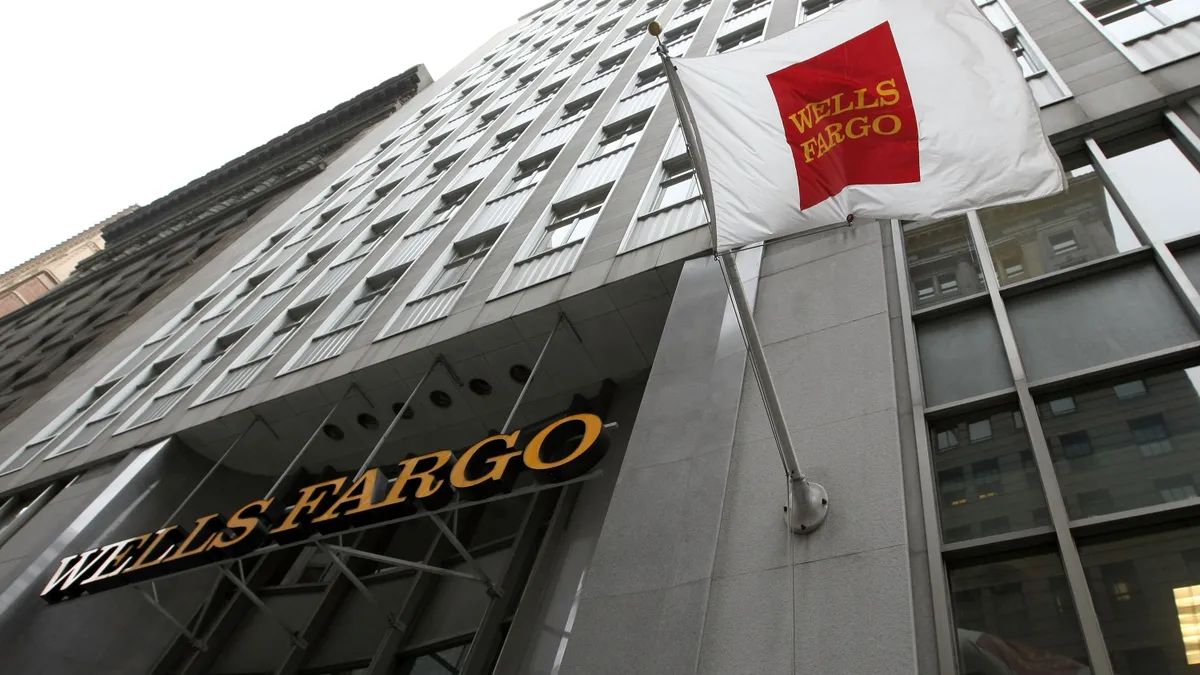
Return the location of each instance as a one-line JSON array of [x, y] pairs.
[[408, 564], [389, 617]]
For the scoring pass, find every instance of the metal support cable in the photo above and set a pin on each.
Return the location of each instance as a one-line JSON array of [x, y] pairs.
[[532, 373], [273, 492], [360, 586], [396, 419], [210, 473]]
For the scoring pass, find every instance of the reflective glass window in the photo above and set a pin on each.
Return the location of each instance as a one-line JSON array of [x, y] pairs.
[[942, 264], [1162, 186], [1120, 450], [1016, 612], [990, 485], [1047, 235], [1147, 595]]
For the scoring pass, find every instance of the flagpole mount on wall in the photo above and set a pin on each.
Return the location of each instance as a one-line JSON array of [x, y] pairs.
[[807, 502]]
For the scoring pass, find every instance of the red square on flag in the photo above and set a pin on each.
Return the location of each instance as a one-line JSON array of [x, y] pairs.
[[848, 117]]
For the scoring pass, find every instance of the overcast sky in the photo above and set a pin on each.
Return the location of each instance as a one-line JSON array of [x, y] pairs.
[[107, 104]]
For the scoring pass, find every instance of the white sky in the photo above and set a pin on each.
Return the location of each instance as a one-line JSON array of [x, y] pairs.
[[107, 104]]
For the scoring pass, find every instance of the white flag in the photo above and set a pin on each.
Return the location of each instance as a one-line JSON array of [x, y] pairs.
[[878, 108]]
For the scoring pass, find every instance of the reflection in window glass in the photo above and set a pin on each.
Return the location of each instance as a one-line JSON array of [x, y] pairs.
[[1016, 612], [1147, 594], [1121, 451], [1056, 233], [942, 264], [988, 486], [1163, 188]]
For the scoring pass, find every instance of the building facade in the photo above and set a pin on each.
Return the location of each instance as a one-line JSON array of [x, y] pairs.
[[1003, 406], [33, 278]]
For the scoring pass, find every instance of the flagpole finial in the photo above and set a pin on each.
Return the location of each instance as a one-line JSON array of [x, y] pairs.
[[654, 28]]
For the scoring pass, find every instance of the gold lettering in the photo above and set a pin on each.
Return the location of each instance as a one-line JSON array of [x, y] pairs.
[[862, 101], [821, 110], [863, 129], [458, 475], [117, 559], [240, 520], [822, 145], [533, 451], [360, 494], [877, 127], [835, 134], [308, 503], [198, 532], [141, 563], [888, 94], [810, 150], [801, 120], [838, 109]]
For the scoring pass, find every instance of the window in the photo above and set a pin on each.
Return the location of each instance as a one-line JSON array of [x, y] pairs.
[[293, 320], [619, 136], [1128, 390], [952, 484], [1175, 488], [1160, 183], [741, 39], [463, 261], [1129, 20], [649, 79], [987, 477], [531, 173], [740, 6], [940, 255], [979, 431], [362, 307], [1075, 444], [946, 439], [1150, 434], [1098, 230], [813, 8], [1095, 503], [1063, 242], [1007, 602], [445, 210], [678, 184], [1062, 406], [1018, 420], [1014, 267], [573, 225]]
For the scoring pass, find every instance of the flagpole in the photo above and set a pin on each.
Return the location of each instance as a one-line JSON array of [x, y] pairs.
[[807, 502]]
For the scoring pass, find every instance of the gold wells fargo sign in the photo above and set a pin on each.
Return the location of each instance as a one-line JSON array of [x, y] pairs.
[[565, 449]]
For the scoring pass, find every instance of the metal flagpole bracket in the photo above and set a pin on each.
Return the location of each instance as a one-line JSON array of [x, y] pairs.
[[807, 502]]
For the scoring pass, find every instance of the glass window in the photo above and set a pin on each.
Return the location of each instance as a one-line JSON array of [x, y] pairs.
[[1062, 406], [463, 261], [942, 264], [990, 480], [1147, 596], [619, 137], [678, 185], [531, 174], [1138, 451], [742, 39], [1127, 390], [946, 439], [1162, 186], [979, 431], [572, 226], [1016, 612], [1047, 235]]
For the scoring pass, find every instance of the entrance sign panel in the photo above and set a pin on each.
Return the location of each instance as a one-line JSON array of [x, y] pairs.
[[563, 450]]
